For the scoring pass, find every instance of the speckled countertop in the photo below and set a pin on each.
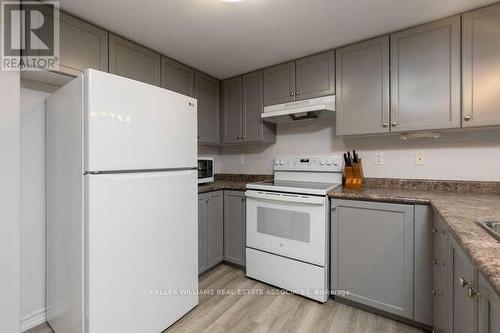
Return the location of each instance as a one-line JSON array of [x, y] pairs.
[[237, 185], [460, 210]]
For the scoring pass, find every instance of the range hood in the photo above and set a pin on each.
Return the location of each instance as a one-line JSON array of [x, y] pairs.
[[314, 108]]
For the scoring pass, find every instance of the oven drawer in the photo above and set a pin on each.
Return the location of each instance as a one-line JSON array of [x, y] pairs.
[[290, 225]]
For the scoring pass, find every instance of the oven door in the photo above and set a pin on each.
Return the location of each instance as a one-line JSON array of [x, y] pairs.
[[290, 225]]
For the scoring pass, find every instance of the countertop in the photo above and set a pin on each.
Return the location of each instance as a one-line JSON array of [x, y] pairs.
[[459, 210]]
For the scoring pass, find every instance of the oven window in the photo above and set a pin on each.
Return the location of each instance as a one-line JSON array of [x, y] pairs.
[[282, 223]]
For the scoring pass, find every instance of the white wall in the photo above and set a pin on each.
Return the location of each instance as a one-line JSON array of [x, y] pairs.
[[33, 202], [458, 155], [9, 201]]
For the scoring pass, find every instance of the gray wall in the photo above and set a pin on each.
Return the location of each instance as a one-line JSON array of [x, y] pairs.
[[9, 199]]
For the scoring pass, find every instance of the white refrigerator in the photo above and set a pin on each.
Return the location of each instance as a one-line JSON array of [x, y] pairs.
[[122, 235]]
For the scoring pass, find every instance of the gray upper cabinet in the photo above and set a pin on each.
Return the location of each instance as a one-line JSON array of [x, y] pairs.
[[207, 92], [461, 284], [241, 110], [315, 76], [234, 227], [372, 254], [481, 67], [82, 46], [133, 61], [177, 77], [425, 77], [362, 78], [279, 84], [254, 129], [231, 114]]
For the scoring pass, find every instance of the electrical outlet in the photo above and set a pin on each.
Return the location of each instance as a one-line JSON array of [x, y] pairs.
[[379, 159], [419, 159], [242, 159]]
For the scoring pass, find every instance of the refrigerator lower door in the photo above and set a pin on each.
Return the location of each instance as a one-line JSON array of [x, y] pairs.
[[141, 258], [130, 125]]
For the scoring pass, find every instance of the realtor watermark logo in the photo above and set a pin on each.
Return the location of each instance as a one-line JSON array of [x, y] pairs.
[[30, 35]]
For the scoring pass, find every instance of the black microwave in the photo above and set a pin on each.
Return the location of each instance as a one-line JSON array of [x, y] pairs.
[[205, 170]]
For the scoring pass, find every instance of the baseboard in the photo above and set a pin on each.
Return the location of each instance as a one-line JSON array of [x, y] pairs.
[[33, 319]]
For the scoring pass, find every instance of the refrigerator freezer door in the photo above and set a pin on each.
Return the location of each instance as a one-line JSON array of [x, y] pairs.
[[141, 247], [136, 126]]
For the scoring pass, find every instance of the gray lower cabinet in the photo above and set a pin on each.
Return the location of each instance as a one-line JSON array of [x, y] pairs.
[[241, 111], [440, 304], [207, 92], [315, 76], [279, 84], [177, 77], [82, 46], [362, 100], [133, 61], [234, 227], [481, 67], [210, 229], [488, 310], [372, 254], [461, 283], [425, 77]]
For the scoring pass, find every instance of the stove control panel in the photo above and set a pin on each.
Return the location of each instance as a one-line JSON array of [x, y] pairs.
[[322, 163]]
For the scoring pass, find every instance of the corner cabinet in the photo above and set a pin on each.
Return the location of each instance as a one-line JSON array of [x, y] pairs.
[[362, 100], [425, 77], [177, 77], [304, 78], [210, 230], [234, 227], [207, 92], [133, 61], [242, 107], [372, 254], [82, 46], [481, 67]]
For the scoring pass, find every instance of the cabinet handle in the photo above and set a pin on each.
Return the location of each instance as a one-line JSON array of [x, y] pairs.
[[243, 199], [473, 292], [292, 93], [435, 231], [385, 125], [334, 208], [297, 93], [198, 136], [394, 124], [242, 137], [467, 118], [238, 137], [435, 262], [435, 292], [207, 200], [463, 282]]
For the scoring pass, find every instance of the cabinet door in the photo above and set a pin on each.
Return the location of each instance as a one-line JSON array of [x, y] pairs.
[[461, 280], [425, 77], [279, 84], [488, 308], [207, 92], [202, 233], [82, 46], [440, 275], [215, 228], [177, 77], [363, 88], [133, 61], [231, 110], [254, 128], [315, 76], [234, 227], [481, 67], [372, 254]]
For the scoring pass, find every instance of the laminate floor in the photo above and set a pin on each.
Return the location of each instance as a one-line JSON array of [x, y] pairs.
[[229, 302]]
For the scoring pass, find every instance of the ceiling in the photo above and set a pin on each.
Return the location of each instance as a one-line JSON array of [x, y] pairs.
[[226, 39]]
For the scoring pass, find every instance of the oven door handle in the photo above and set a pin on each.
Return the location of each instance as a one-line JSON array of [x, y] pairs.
[[286, 197]]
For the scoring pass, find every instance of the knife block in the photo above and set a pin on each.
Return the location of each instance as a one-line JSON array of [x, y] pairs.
[[354, 177]]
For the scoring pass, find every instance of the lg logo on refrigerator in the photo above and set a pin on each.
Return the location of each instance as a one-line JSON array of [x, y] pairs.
[[30, 35]]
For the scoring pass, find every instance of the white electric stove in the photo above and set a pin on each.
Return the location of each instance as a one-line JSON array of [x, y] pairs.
[[288, 224]]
